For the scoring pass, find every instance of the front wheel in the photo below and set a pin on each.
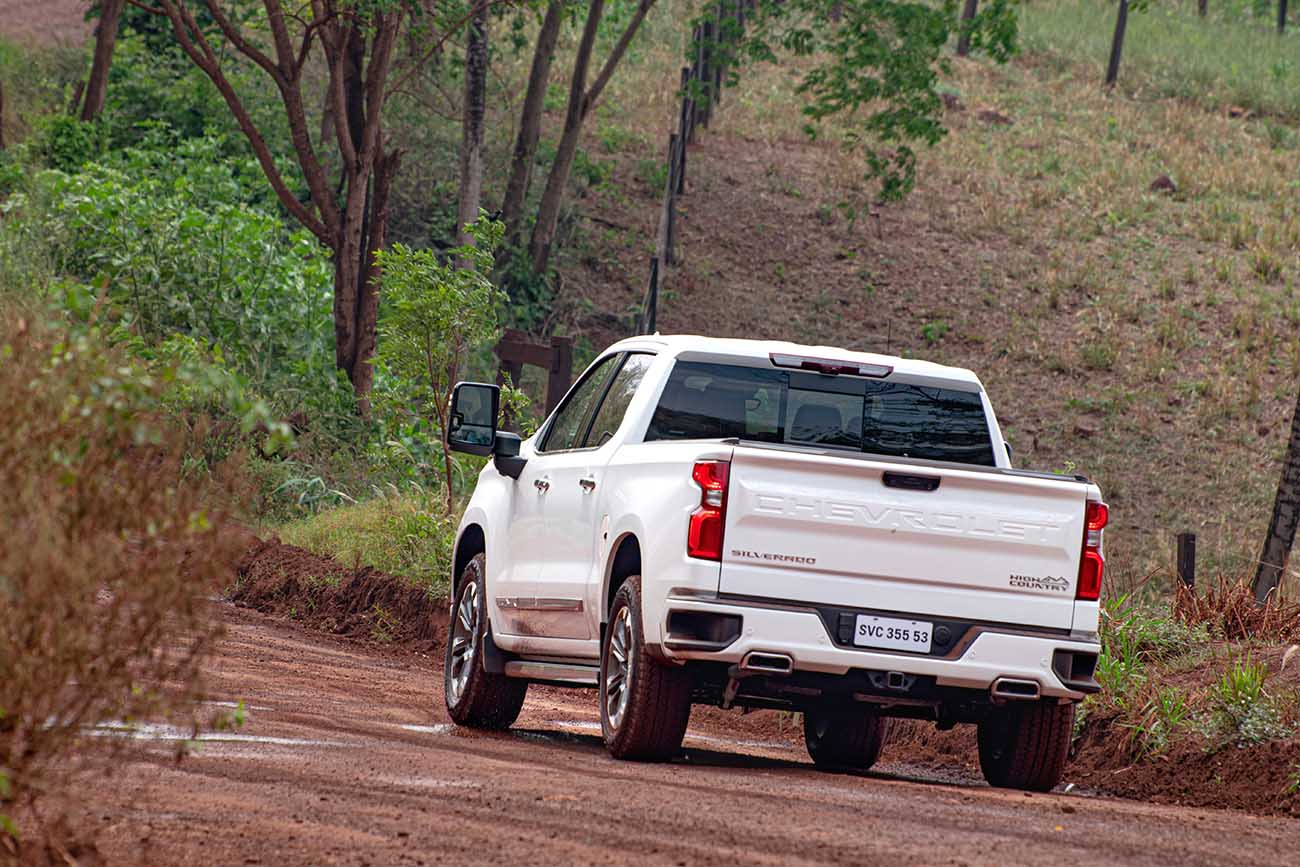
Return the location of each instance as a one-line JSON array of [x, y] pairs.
[[644, 704], [1024, 746], [845, 738], [475, 697]]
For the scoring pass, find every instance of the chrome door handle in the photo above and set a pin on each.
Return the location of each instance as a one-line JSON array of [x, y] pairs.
[[542, 485], [588, 485]]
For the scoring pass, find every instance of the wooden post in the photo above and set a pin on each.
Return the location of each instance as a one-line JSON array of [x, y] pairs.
[[963, 27], [716, 95], [1187, 559], [1281, 16], [650, 315], [687, 116], [561, 373], [706, 71], [1117, 44], [697, 75], [670, 205], [1202, 6]]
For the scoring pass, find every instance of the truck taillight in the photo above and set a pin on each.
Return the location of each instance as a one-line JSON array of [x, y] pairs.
[[1092, 564], [704, 538]]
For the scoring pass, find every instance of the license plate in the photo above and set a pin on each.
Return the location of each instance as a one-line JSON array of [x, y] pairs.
[[886, 632]]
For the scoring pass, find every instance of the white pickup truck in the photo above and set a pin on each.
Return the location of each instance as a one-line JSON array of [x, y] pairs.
[[765, 525]]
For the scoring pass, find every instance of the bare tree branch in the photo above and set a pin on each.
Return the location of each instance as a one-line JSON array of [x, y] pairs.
[[615, 55], [195, 45]]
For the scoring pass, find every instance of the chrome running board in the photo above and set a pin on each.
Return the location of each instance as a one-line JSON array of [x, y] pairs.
[[556, 672]]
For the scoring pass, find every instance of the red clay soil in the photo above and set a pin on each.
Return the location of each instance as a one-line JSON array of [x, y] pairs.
[[347, 757], [280, 579], [371, 605], [49, 22]]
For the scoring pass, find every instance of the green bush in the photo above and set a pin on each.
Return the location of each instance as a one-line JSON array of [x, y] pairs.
[[168, 234]]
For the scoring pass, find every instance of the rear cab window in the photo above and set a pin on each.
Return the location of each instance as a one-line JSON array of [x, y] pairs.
[[888, 417]]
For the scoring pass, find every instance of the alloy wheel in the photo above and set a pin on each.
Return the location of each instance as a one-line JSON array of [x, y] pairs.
[[464, 642], [618, 667]]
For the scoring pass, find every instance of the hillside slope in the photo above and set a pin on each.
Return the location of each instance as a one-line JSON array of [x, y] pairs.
[[1144, 336]]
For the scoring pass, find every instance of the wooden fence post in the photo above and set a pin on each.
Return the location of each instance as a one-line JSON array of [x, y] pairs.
[[1202, 6], [650, 315], [1281, 16], [1117, 44], [963, 35], [670, 202], [1187, 559], [561, 373], [684, 132]]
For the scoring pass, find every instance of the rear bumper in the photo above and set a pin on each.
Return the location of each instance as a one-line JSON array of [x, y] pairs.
[[1059, 664]]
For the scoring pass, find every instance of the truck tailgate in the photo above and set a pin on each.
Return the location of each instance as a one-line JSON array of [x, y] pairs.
[[863, 532]]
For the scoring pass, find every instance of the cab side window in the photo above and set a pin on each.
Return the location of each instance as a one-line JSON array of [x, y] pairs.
[[570, 423], [614, 406]]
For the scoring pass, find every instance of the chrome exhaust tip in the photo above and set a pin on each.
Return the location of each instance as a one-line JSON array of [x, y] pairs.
[[766, 663], [1014, 689]]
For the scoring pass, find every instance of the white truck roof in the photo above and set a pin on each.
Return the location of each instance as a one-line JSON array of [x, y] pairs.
[[678, 344]]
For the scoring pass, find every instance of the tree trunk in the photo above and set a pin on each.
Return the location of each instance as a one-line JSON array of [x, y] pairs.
[[963, 37], [471, 141], [548, 211], [530, 123], [581, 101], [1117, 44], [376, 234], [110, 14], [1286, 515]]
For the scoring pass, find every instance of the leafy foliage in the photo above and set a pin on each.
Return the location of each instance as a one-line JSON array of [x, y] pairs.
[[435, 310], [875, 68], [173, 235]]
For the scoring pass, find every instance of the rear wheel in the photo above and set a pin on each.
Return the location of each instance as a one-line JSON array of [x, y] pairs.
[[1024, 746], [644, 704], [844, 738], [474, 696]]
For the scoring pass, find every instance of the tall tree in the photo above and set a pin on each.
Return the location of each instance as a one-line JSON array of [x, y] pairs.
[[1286, 515], [475, 108], [357, 42], [530, 122], [582, 99], [110, 15]]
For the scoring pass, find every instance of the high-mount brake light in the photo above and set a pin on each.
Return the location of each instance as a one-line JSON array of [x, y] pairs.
[[1093, 563], [704, 538], [834, 367]]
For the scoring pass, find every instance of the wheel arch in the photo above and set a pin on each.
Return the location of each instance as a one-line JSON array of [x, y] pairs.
[[624, 561], [472, 541]]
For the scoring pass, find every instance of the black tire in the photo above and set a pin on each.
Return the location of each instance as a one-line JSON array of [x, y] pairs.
[[1024, 746], [655, 699], [844, 738], [475, 697]]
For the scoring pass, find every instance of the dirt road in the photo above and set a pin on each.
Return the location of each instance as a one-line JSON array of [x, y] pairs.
[[348, 758]]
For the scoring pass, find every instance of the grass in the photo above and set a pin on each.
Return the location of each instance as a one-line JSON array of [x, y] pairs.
[[403, 533], [1230, 58]]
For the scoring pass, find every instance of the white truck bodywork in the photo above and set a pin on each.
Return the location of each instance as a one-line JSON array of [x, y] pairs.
[[814, 538]]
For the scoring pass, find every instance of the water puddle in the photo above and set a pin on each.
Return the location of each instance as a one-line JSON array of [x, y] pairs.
[[157, 732], [437, 729], [430, 783], [234, 705]]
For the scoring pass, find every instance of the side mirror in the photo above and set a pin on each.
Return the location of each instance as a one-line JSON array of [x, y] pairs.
[[472, 422], [1008, 447]]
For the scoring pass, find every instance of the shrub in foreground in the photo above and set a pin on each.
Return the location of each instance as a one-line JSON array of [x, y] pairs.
[[107, 557]]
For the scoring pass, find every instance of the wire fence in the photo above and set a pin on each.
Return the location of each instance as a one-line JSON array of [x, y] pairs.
[[713, 40]]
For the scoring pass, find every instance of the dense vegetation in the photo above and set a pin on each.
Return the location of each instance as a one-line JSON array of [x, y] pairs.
[[1127, 331]]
